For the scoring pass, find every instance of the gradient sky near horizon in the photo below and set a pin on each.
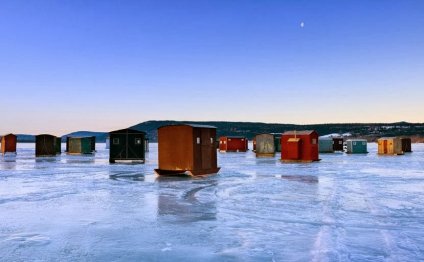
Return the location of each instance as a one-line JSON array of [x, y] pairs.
[[102, 65]]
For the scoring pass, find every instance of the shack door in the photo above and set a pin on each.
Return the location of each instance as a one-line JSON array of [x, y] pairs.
[[118, 146], [207, 147], [294, 148], [136, 146], [385, 146]]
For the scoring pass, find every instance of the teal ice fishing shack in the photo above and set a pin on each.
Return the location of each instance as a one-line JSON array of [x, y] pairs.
[[356, 146]]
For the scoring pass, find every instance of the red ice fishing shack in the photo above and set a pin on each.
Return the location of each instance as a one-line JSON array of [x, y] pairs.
[[233, 144], [299, 146], [8, 143]]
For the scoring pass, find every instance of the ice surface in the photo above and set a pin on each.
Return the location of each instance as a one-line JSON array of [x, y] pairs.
[[343, 208]]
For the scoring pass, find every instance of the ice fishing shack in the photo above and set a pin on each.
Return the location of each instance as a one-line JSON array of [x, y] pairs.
[[47, 145], [127, 145], [299, 146], [356, 146], [325, 144], [390, 146], [265, 146], [80, 145], [233, 144], [277, 142], [338, 143], [187, 149], [8, 143], [406, 144]]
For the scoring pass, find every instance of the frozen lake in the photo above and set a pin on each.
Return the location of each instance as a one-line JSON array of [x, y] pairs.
[[343, 208]]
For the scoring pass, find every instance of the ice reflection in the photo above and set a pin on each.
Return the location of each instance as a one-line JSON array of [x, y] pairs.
[[127, 176], [299, 178], [83, 159], [178, 203], [44, 161], [8, 162]]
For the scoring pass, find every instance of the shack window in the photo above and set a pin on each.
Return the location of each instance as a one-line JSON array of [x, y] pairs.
[[364, 143], [138, 141], [211, 140], [314, 141], [220, 142], [229, 139], [340, 142], [354, 143], [225, 142], [198, 140], [116, 141], [242, 139]]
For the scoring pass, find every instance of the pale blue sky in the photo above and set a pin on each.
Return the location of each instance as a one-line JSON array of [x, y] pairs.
[[103, 65]]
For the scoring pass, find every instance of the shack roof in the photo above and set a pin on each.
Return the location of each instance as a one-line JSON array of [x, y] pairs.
[[387, 138], [191, 125], [127, 131], [45, 135], [357, 140], [302, 132], [79, 137], [8, 135], [325, 138], [240, 137]]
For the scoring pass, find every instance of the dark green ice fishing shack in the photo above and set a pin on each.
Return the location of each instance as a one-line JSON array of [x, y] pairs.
[[127, 144]]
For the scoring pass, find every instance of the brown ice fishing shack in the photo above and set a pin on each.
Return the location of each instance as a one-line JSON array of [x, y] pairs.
[[406, 144], [47, 145], [187, 149], [338, 143], [8, 144]]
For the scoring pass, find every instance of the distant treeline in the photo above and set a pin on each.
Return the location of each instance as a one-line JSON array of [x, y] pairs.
[[249, 129], [371, 132]]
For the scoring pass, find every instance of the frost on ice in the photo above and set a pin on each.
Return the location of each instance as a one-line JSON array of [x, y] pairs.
[[345, 207]]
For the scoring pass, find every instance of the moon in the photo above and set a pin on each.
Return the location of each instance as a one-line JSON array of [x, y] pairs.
[[302, 24]]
